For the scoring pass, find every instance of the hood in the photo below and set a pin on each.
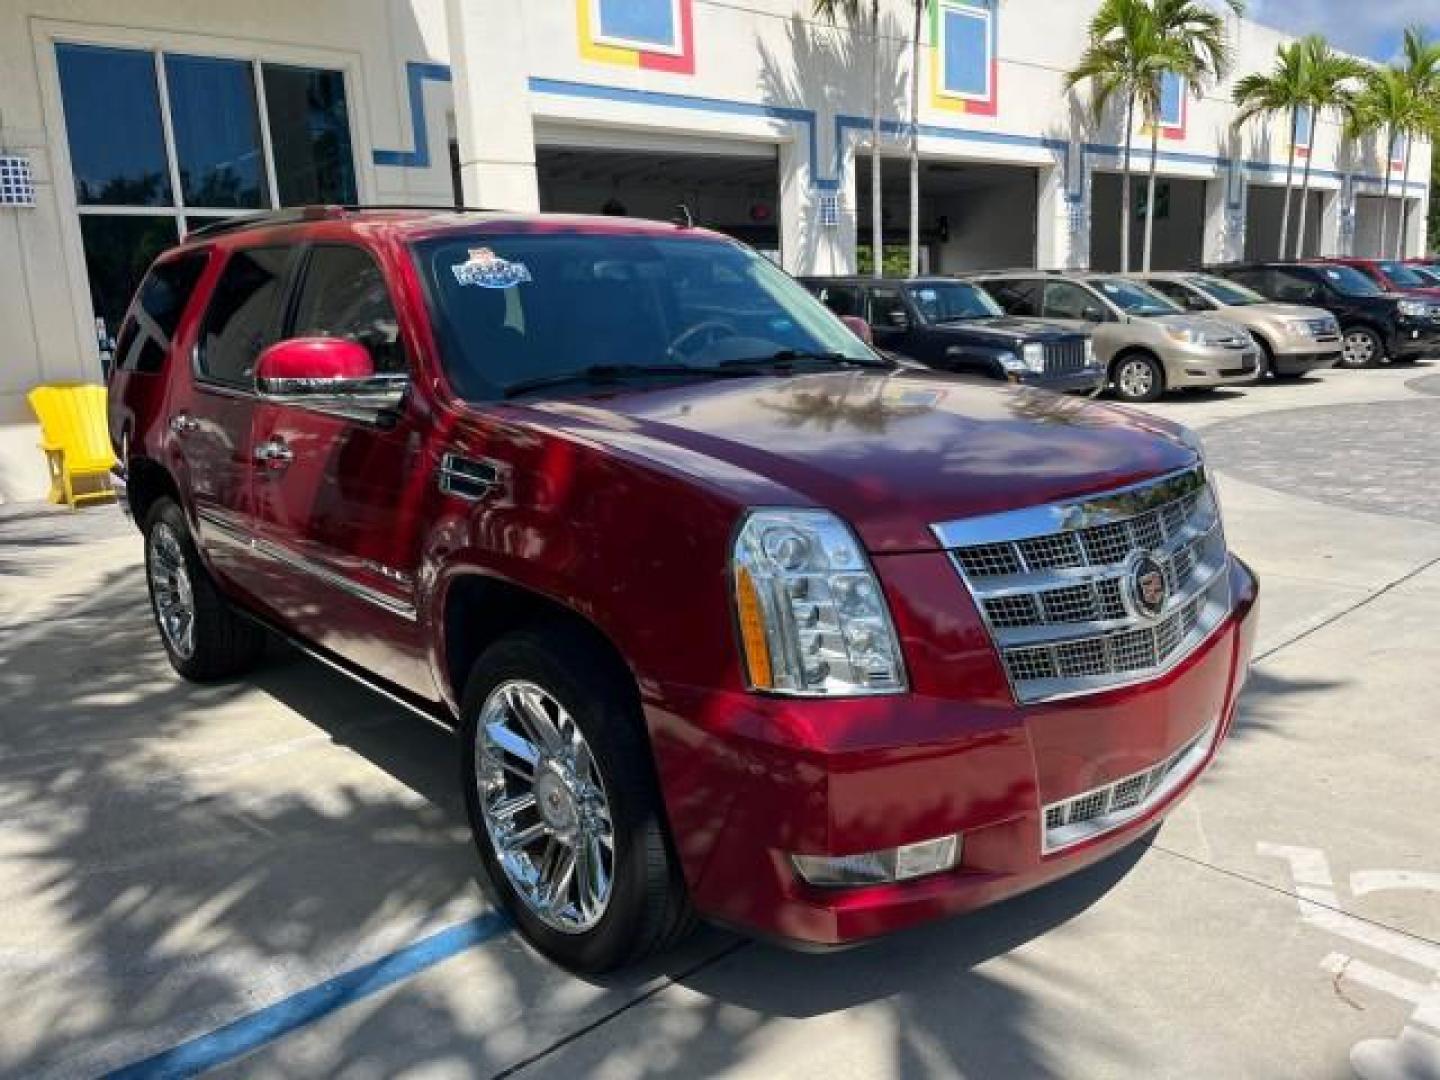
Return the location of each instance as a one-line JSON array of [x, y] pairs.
[[1207, 324], [1284, 311], [1005, 328], [891, 453]]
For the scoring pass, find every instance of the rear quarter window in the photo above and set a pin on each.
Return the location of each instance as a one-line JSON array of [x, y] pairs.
[[145, 338]]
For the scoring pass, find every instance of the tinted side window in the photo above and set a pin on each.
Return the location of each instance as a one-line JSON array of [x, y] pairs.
[[887, 308], [241, 318], [145, 338], [344, 296], [1016, 297], [1064, 300], [1295, 286], [841, 299]]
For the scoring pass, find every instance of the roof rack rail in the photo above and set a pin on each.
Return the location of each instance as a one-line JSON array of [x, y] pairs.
[[319, 212]]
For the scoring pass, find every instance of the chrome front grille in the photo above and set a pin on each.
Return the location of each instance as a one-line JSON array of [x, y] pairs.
[[1101, 592], [1065, 357], [1091, 813]]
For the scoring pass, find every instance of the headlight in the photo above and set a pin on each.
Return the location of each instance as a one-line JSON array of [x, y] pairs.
[[1414, 309], [812, 618], [1298, 327], [1011, 363], [1089, 353], [1034, 355]]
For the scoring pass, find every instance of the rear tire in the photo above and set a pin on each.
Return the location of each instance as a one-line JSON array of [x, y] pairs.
[[598, 776], [204, 636], [1362, 348], [1138, 377]]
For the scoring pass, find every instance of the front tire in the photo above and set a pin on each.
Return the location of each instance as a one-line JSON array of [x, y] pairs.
[[1139, 377], [1362, 348], [563, 803], [204, 637]]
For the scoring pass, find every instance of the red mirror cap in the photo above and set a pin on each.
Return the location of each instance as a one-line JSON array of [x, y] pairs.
[[315, 358], [859, 327]]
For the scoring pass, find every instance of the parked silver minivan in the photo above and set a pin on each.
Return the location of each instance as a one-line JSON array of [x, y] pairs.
[[1293, 339], [1147, 342]]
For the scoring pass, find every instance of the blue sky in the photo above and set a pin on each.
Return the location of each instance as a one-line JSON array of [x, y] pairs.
[[1368, 27]]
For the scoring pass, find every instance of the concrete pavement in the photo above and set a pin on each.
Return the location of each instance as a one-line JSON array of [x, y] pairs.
[[174, 859]]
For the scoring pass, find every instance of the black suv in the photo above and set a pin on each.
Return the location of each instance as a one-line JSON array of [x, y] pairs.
[[957, 326], [1377, 326]]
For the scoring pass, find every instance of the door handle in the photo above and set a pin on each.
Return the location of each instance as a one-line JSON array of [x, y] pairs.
[[274, 455], [183, 423]]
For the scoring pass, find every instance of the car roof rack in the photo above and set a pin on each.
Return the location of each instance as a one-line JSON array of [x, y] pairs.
[[291, 215]]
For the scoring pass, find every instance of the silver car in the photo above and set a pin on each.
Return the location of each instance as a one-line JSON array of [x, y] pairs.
[[1148, 343], [1293, 339]]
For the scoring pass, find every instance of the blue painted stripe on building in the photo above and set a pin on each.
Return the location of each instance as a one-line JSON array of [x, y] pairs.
[[251, 1032], [417, 73]]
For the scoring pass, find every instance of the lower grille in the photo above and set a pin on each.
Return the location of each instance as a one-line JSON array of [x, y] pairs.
[[1065, 357], [1102, 809], [1063, 588]]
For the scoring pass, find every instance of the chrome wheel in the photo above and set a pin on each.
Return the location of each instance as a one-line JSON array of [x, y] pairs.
[[170, 585], [544, 805], [1359, 349], [1136, 379]]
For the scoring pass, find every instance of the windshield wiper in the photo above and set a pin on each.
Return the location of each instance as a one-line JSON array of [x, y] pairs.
[[599, 373], [787, 359]]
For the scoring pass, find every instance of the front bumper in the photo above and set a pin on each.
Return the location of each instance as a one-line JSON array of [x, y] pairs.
[[1200, 365], [1087, 381], [1413, 339], [1305, 360], [759, 779]]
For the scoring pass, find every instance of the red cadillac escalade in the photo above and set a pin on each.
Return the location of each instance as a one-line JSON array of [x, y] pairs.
[[733, 616]]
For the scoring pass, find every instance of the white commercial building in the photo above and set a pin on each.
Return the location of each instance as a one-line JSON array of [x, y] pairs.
[[125, 122]]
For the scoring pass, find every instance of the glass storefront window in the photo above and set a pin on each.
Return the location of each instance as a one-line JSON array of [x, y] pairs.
[[112, 114], [217, 131], [129, 155], [310, 132]]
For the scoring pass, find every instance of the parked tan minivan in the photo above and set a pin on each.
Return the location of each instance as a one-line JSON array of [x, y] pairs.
[[1293, 339], [1147, 342]]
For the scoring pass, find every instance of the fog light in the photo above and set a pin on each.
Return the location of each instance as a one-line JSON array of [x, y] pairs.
[[878, 867]]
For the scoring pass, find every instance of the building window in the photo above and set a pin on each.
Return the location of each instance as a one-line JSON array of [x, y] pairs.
[[1172, 101], [1304, 128], [161, 143], [966, 50], [651, 25]]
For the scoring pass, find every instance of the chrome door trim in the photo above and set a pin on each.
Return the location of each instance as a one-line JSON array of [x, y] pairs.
[[287, 556]]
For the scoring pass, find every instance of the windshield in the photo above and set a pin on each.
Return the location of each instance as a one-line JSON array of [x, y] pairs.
[[514, 309], [952, 301], [1430, 272], [1225, 292], [1135, 299], [1404, 276], [1348, 281]]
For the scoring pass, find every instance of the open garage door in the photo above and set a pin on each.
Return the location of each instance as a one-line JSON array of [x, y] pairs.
[[973, 215], [734, 191], [1179, 238], [1369, 211], [1264, 210]]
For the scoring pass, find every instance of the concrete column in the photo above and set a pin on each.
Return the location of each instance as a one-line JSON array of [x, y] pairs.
[[1224, 219], [1331, 232], [488, 63], [1057, 214], [815, 238]]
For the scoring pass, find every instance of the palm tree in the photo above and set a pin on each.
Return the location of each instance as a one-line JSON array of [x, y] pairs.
[[920, 7], [1132, 45], [853, 12], [1327, 78], [1389, 102], [1422, 70], [1284, 91]]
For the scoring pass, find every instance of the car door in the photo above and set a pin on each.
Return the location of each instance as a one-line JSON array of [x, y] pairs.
[[337, 491], [211, 421], [1074, 306], [891, 321]]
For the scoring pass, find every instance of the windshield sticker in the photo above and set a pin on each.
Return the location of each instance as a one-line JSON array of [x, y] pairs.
[[929, 294], [1333, 275], [489, 271], [1109, 288]]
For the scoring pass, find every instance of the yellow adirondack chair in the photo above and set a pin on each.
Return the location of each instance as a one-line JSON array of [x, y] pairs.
[[76, 440]]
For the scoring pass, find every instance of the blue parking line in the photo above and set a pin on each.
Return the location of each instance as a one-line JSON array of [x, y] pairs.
[[249, 1033]]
